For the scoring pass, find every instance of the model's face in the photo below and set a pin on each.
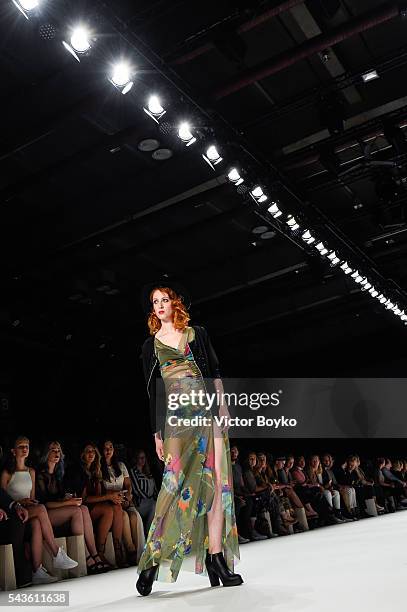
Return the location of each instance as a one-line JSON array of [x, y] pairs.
[[252, 459], [54, 453], [108, 450], [22, 449], [162, 305], [234, 453]]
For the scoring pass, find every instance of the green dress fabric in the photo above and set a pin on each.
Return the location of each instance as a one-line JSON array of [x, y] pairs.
[[178, 534]]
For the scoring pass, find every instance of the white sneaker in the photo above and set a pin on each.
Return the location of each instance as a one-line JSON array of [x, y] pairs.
[[258, 536], [62, 561], [41, 576]]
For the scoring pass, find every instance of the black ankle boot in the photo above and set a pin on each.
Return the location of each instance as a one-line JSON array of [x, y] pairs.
[[217, 568], [145, 582]]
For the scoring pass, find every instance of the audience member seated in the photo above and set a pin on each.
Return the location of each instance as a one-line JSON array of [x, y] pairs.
[[144, 488], [365, 489], [64, 510], [116, 478], [332, 487], [348, 479], [265, 500], [19, 482], [85, 481], [267, 474], [286, 486], [14, 530], [399, 485], [385, 490], [243, 500], [285, 477], [322, 497]]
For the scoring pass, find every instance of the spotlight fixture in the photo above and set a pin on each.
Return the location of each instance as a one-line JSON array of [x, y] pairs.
[[154, 108], [212, 156], [185, 134], [321, 248], [234, 177], [307, 237], [371, 75], [333, 258], [79, 43], [292, 223], [346, 268], [121, 77], [258, 195], [274, 210], [26, 6], [373, 292]]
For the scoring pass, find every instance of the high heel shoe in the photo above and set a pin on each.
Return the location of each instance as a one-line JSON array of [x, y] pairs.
[[217, 569], [145, 582]]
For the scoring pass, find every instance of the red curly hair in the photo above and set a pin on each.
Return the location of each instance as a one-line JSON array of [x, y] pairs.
[[180, 313]]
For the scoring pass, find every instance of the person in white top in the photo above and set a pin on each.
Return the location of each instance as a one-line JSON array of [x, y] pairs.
[[19, 482], [116, 478]]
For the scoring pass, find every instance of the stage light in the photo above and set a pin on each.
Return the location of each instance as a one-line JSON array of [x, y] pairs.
[[184, 132], [234, 177], [403, 316], [25, 6], [258, 195], [292, 223], [79, 43], [373, 292], [397, 311], [358, 279], [212, 156], [382, 299], [121, 77], [321, 248], [371, 75], [154, 108], [274, 210], [307, 237], [346, 268], [333, 258]]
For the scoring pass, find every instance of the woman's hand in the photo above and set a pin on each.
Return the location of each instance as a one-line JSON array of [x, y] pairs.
[[159, 448], [73, 501], [27, 501], [114, 497]]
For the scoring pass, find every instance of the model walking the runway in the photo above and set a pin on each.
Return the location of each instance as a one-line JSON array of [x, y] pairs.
[[195, 515]]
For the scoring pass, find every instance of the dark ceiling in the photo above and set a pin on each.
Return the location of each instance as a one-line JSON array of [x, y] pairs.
[[87, 218]]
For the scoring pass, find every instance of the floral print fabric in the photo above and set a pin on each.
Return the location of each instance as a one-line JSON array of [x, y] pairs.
[[179, 530]]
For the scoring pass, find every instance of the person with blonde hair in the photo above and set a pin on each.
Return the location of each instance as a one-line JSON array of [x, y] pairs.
[[85, 481], [62, 507], [19, 482]]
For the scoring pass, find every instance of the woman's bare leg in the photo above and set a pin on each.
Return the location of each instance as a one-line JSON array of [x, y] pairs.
[[73, 514], [117, 526], [88, 531], [215, 514], [127, 535], [41, 514], [102, 513], [36, 543]]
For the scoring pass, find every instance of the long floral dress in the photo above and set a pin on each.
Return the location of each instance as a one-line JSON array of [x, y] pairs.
[[179, 531]]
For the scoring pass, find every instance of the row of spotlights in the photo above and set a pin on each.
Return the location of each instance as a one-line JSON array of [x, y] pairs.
[[121, 78]]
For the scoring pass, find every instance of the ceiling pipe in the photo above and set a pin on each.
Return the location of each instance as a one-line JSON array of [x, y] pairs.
[[364, 22], [244, 27]]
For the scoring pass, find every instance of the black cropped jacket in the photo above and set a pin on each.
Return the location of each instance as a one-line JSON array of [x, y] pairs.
[[205, 358]]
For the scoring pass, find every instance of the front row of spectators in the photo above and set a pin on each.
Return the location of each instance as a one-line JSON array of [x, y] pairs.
[[94, 496], [271, 496], [99, 494]]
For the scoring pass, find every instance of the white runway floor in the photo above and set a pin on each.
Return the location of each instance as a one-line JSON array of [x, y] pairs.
[[354, 567]]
